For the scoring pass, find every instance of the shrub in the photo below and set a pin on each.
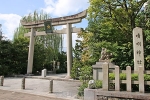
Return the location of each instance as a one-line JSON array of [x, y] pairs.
[[98, 84], [134, 77], [81, 89], [85, 74], [111, 76]]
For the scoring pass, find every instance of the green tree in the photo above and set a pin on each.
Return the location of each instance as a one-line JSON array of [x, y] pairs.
[[77, 63], [19, 56], [5, 56], [146, 22], [83, 60], [50, 45], [14, 56], [112, 22]]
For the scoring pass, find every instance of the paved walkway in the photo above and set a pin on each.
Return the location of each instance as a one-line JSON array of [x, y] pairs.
[[61, 89], [9, 95]]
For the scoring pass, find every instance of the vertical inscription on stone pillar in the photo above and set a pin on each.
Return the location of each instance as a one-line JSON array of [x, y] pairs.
[[138, 48]]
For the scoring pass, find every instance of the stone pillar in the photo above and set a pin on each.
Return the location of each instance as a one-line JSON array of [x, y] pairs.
[[117, 78], [105, 76], [90, 94], [138, 48], [51, 86], [31, 51], [23, 83], [128, 76], [1, 80], [141, 80], [69, 50]]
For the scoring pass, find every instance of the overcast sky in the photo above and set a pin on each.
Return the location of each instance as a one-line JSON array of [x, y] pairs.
[[11, 11]]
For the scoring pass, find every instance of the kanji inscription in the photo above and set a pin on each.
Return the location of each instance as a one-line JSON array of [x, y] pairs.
[[138, 48]]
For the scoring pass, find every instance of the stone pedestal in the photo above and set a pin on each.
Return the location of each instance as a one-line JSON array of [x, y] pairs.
[[90, 94], [97, 69]]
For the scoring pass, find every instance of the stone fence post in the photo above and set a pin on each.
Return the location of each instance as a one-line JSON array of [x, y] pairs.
[[51, 86], [23, 83], [1, 80], [128, 79], [117, 78], [105, 76], [141, 80]]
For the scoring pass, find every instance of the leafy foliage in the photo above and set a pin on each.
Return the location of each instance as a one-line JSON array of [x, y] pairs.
[[134, 77], [47, 48], [111, 23], [85, 75], [81, 89], [62, 58], [14, 56], [5, 56]]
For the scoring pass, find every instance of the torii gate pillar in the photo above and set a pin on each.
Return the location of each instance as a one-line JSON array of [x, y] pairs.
[[31, 51], [69, 50]]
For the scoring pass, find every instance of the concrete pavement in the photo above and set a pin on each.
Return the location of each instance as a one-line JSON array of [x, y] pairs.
[[61, 89]]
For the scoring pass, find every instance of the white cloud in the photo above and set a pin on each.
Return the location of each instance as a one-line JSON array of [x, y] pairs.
[[11, 22], [64, 7]]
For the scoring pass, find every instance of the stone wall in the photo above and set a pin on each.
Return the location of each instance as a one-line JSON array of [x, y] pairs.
[[99, 94]]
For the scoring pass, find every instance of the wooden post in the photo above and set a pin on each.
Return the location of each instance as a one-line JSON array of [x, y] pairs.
[[128, 80], [117, 78], [23, 83], [141, 80], [105, 76], [51, 86], [2, 81]]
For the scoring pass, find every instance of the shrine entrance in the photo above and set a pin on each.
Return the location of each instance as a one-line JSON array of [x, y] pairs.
[[67, 20]]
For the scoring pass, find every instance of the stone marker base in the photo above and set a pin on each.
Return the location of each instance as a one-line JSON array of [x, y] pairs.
[[97, 69]]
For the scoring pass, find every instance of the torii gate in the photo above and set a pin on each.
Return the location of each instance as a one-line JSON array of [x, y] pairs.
[[68, 21]]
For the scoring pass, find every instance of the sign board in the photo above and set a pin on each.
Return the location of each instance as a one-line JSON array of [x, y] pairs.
[[138, 48], [48, 27]]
